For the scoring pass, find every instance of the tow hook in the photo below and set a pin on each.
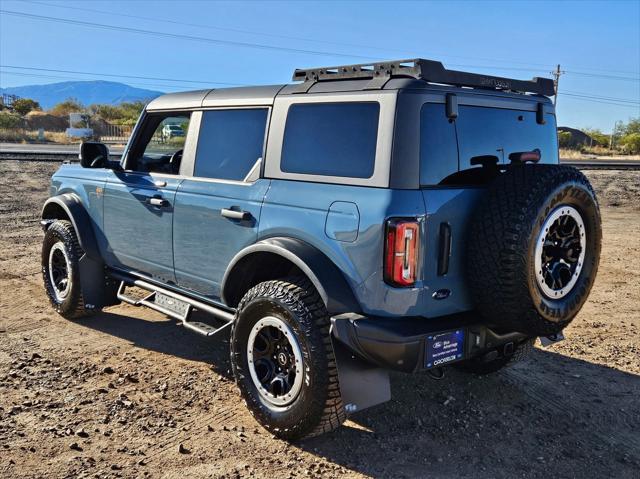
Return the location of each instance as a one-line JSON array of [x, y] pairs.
[[436, 373], [551, 339]]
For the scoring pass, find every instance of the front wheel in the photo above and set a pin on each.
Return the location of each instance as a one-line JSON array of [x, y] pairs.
[[283, 360], [61, 253]]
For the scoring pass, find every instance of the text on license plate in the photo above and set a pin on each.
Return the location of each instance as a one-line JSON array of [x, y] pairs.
[[443, 348]]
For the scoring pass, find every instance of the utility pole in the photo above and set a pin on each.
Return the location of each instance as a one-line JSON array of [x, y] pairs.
[[556, 79], [613, 134]]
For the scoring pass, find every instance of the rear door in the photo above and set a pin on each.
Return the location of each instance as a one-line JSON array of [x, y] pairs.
[[217, 207], [139, 201]]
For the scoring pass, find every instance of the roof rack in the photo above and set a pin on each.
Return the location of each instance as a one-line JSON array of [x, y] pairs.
[[421, 69]]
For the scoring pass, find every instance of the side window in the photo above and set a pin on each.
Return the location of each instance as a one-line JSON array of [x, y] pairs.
[[159, 148], [438, 144], [499, 132], [230, 142], [331, 139]]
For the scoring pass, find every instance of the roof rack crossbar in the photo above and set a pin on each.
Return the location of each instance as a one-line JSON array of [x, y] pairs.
[[421, 69]]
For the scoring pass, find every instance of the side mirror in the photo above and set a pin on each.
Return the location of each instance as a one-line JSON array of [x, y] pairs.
[[94, 155]]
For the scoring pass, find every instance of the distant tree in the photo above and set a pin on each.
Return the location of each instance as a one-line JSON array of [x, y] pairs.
[[597, 135], [70, 105], [124, 113], [564, 139], [106, 112], [632, 127], [22, 106], [631, 143]]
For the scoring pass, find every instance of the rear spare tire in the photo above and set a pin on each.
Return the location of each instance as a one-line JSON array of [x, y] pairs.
[[534, 248]]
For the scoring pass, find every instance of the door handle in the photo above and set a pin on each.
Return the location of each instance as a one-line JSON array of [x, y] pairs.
[[235, 214], [159, 202]]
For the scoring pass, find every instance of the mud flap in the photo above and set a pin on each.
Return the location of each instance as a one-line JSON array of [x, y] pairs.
[[98, 290], [362, 384]]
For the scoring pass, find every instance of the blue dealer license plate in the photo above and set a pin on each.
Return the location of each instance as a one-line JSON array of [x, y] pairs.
[[443, 348]]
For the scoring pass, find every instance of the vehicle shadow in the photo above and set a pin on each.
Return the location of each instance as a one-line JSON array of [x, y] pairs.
[[549, 416], [164, 336]]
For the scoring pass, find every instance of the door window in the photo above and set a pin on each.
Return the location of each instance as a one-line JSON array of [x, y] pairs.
[[230, 143], [160, 144]]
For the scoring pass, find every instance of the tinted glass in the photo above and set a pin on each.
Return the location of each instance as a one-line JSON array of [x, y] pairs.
[[331, 139], [230, 143], [500, 132], [438, 146]]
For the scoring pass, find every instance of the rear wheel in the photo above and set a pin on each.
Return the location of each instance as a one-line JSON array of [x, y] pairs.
[[283, 359], [61, 253]]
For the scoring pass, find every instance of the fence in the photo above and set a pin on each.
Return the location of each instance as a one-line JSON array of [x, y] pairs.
[[109, 133]]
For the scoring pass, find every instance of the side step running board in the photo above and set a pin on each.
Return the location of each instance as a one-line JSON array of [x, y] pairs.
[[173, 305]]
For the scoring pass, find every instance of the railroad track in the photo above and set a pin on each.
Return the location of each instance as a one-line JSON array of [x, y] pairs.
[[55, 156], [61, 156]]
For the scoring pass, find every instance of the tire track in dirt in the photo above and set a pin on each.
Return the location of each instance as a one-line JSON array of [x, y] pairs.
[[625, 424]]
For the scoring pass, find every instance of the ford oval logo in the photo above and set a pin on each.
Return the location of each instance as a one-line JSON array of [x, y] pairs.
[[441, 294]]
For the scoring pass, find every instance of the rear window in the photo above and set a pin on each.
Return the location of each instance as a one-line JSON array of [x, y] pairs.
[[438, 146], [447, 147], [500, 132], [331, 139]]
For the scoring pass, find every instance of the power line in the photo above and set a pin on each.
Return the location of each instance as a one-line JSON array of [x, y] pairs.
[[200, 82], [313, 40], [598, 97], [179, 36], [201, 25], [608, 77], [252, 45], [574, 97]]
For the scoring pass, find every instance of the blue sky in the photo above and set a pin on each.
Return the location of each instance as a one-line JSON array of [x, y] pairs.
[[597, 43]]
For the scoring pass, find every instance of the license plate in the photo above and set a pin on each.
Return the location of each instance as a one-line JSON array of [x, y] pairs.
[[443, 348]]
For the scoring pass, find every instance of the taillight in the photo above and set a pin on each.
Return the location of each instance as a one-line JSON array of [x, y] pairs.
[[401, 252]]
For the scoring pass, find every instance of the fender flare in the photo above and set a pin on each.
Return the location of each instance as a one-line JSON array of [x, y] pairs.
[[326, 277], [73, 208]]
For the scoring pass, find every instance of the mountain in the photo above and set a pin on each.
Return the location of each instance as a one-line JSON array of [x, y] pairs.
[[87, 92]]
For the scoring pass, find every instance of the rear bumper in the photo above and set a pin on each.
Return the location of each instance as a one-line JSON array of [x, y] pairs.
[[400, 343]]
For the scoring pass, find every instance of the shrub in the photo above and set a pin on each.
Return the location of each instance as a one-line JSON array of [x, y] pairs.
[[564, 139], [70, 105], [9, 120], [22, 106]]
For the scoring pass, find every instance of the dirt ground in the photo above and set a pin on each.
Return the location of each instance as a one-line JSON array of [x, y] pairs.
[[130, 394]]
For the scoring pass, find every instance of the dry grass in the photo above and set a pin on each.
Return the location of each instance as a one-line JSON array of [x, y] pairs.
[[11, 135], [596, 151]]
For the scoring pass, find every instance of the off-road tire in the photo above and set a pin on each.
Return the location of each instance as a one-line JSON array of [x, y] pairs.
[[480, 367], [318, 407], [72, 306], [501, 247]]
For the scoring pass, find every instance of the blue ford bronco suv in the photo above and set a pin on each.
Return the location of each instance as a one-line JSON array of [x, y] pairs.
[[365, 218]]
